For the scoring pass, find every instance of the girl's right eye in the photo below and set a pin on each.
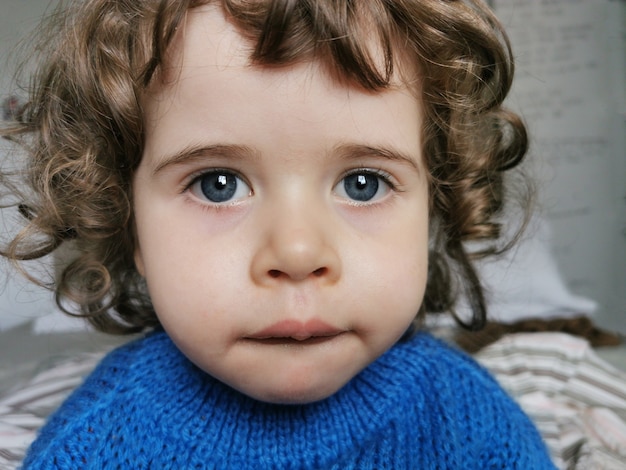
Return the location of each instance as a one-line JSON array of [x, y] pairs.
[[219, 187]]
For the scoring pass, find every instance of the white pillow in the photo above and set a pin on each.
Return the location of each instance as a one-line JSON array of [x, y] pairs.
[[526, 282]]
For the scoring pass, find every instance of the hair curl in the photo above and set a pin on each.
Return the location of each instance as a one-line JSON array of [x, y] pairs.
[[83, 127]]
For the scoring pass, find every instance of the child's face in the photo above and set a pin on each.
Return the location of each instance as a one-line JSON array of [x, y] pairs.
[[282, 217]]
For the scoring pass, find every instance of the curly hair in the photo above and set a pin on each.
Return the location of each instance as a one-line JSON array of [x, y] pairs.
[[83, 127]]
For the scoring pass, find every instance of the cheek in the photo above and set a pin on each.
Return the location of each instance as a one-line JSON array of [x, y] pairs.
[[406, 277], [411, 261], [188, 271], [190, 300], [396, 266]]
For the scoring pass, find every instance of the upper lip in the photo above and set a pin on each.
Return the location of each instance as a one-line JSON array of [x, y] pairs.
[[297, 330]]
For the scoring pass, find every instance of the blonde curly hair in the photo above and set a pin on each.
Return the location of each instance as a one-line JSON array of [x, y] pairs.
[[83, 127]]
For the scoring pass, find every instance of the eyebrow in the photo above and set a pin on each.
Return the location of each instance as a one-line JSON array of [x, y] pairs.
[[347, 151], [351, 151], [195, 153]]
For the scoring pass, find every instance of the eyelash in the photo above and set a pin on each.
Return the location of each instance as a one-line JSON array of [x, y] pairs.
[[382, 174]]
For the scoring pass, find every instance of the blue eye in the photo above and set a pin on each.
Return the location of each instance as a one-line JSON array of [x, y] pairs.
[[363, 186], [219, 186]]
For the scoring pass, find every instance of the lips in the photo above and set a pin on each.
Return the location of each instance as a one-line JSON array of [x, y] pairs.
[[296, 330]]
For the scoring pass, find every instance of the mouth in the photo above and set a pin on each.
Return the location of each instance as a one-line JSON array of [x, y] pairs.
[[296, 332], [289, 341]]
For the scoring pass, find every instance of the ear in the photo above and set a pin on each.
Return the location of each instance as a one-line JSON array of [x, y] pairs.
[[139, 261]]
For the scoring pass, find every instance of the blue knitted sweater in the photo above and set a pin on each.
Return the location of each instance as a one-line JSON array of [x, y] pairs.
[[422, 405]]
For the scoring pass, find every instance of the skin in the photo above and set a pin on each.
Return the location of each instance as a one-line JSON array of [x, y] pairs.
[[289, 287]]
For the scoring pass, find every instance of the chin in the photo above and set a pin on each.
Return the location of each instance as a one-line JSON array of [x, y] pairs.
[[295, 392]]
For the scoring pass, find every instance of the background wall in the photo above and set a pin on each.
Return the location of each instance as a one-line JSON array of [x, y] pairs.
[[19, 300], [570, 87]]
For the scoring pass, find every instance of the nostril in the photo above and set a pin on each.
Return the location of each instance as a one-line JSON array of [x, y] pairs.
[[276, 273], [320, 272]]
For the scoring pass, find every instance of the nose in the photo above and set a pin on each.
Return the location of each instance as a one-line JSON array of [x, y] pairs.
[[296, 244]]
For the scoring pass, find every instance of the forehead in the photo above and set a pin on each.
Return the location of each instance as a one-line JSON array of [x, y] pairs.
[[212, 91]]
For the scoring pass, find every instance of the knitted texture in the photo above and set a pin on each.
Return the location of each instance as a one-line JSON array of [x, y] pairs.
[[422, 405]]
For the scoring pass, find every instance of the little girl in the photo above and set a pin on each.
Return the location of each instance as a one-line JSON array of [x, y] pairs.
[[274, 191]]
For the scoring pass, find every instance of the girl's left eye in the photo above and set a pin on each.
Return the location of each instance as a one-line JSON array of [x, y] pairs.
[[363, 186], [219, 186]]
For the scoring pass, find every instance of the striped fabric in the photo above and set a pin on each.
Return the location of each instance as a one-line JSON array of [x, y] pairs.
[[25, 406], [576, 399]]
